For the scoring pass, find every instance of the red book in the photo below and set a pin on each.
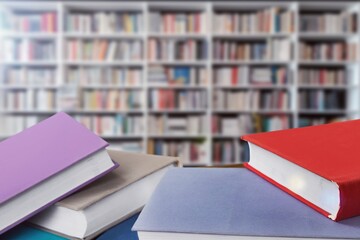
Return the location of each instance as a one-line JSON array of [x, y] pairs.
[[234, 76], [318, 165]]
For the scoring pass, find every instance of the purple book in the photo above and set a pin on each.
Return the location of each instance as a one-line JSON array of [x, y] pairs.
[[46, 163]]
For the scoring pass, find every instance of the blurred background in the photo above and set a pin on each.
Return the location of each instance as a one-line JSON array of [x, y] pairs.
[[176, 79]]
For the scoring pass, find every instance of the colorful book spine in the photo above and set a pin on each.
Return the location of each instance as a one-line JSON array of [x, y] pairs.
[[104, 22], [165, 99]]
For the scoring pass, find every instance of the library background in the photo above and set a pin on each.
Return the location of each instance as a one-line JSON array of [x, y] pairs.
[[179, 79]]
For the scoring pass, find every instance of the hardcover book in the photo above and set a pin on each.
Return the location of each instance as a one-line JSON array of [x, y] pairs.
[[109, 200], [46, 163], [318, 165], [231, 204]]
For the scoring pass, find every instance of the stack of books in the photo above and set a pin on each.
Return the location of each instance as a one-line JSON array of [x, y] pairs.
[[67, 183]]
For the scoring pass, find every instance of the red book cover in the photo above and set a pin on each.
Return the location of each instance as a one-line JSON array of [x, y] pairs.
[[330, 152]]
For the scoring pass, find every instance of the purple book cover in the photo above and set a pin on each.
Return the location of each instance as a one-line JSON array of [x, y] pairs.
[[41, 151]]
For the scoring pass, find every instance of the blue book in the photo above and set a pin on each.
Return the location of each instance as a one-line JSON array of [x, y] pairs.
[[121, 231], [221, 204], [23, 232]]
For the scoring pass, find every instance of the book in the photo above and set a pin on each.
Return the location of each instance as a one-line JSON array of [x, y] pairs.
[[179, 76], [104, 76], [328, 22], [270, 20], [192, 152], [192, 203], [121, 231], [328, 51], [25, 232], [46, 163], [173, 22], [109, 200], [104, 22], [322, 99], [176, 49], [317, 165]]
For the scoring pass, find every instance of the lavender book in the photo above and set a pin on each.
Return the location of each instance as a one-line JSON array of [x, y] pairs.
[[46, 163]]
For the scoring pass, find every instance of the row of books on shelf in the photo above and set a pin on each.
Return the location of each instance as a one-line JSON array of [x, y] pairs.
[[322, 76], [104, 22], [178, 76], [278, 100], [343, 22], [174, 22], [305, 121], [113, 125], [112, 99], [28, 22], [104, 76], [191, 152], [272, 20], [273, 49], [162, 99], [225, 151], [176, 125], [176, 49], [12, 124], [335, 51], [245, 75], [246, 124], [321, 99], [27, 50], [104, 50], [39, 99], [21, 76]]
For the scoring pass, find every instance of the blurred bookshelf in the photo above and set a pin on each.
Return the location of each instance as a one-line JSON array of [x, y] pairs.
[[180, 79]]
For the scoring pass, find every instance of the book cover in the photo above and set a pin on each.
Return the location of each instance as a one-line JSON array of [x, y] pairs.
[[194, 201], [329, 153]]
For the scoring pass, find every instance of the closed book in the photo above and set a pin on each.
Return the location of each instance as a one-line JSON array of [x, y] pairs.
[[318, 165], [44, 164], [192, 203], [109, 200]]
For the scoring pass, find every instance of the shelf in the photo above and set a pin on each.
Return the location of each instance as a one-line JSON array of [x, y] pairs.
[[252, 112], [177, 87], [322, 112], [177, 136], [324, 63], [219, 136], [250, 36], [178, 111], [105, 63], [178, 35], [178, 62], [253, 87], [105, 35], [110, 87], [325, 87], [25, 87], [105, 111], [250, 62], [122, 137], [31, 35], [325, 36], [39, 63]]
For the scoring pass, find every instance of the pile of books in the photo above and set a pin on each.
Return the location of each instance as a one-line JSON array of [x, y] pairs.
[[294, 190], [64, 181]]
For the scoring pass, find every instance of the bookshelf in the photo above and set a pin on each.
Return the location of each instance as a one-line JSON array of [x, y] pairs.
[[169, 78]]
